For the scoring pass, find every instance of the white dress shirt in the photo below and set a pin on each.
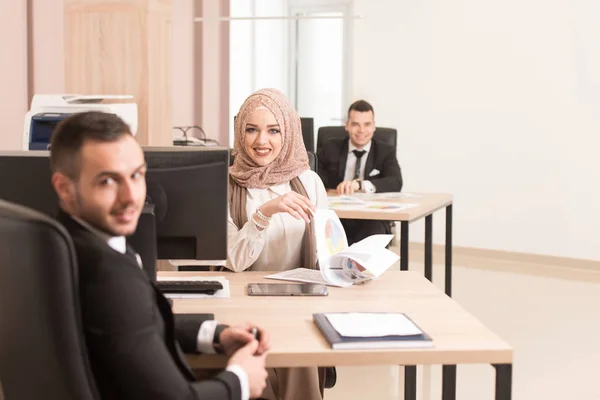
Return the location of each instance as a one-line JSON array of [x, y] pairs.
[[278, 247], [367, 186], [206, 333]]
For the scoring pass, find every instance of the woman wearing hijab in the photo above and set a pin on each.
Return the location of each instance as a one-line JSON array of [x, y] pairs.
[[272, 193]]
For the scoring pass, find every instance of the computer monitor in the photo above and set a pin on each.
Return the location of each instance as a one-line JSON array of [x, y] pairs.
[[187, 186], [25, 179]]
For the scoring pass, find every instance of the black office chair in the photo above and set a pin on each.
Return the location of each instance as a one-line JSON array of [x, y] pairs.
[[312, 160], [386, 135], [42, 348], [308, 133]]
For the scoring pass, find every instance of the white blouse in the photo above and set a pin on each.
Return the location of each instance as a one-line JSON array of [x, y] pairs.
[[278, 247]]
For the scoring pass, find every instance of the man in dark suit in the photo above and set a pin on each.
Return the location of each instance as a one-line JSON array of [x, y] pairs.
[[133, 339], [360, 164]]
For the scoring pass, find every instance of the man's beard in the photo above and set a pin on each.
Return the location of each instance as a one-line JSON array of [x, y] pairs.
[[95, 218]]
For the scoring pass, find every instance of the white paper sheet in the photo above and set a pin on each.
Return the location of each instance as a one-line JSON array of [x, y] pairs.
[[339, 264], [372, 324], [386, 206], [384, 195], [359, 205], [301, 275]]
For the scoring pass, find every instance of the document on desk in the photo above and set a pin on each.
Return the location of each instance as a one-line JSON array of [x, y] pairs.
[[366, 203], [386, 206], [358, 330], [219, 294], [301, 275], [360, 324], [386, 195], [345, 202], [340, 265]]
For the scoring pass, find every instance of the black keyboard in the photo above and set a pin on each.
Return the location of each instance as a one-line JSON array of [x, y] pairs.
[[203, 287]]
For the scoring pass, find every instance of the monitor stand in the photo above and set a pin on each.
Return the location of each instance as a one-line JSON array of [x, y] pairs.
[[144, 242], [198, 265]]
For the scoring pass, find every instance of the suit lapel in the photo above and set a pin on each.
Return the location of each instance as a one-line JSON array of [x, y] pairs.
[[69, 223], [370, 164], [343, 160], [167, 314], [74, 227]]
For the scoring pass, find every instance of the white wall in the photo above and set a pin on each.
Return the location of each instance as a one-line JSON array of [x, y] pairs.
[[498, 103], [13, 72], [258, 51]]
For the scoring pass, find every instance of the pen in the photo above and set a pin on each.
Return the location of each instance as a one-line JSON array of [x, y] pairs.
[[255, 332]]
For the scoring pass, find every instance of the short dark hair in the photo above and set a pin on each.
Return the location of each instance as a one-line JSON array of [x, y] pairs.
[[360, 106], [73, 132]]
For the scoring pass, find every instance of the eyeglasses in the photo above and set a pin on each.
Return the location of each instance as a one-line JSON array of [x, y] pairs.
[[203, 141]]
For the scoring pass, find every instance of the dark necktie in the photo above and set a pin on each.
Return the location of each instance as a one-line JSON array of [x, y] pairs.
[[358, 154]]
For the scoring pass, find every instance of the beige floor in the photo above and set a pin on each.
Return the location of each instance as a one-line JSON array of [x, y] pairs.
[[553, 325]]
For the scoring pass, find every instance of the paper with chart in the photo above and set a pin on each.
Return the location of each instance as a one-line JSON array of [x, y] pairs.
[[339, 264], [386, 195], [368, 203]]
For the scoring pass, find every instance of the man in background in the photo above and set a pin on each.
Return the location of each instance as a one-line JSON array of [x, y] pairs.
[[360, 163]]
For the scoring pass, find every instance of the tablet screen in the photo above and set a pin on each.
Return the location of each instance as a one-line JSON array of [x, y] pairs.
[[287, 289]]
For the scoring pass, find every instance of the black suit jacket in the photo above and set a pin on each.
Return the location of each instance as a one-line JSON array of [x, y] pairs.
[[382, 157], [131, 334]]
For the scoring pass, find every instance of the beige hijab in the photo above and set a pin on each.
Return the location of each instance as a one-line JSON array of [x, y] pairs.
[[291, 162]]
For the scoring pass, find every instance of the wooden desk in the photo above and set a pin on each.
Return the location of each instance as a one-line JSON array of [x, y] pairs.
[[458, 337], [428, 204]]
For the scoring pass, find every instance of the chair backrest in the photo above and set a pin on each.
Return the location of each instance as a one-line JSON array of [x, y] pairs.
[[312, 160], [386, 135], [42, 348], [308, 133]]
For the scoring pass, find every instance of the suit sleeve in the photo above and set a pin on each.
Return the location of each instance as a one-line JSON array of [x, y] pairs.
[[187, 331], [390, 179], [123, 339]]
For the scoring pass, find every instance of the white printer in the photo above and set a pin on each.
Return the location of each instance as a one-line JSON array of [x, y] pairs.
[[48, 110]]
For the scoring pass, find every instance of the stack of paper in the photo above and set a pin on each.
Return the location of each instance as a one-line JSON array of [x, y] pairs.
[[346, 331]]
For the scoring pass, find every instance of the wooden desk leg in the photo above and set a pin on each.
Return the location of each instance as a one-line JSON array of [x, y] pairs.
[[410, 382], [449, 382], [503, 381], [428, 247], [448, 286], [404, 246]]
